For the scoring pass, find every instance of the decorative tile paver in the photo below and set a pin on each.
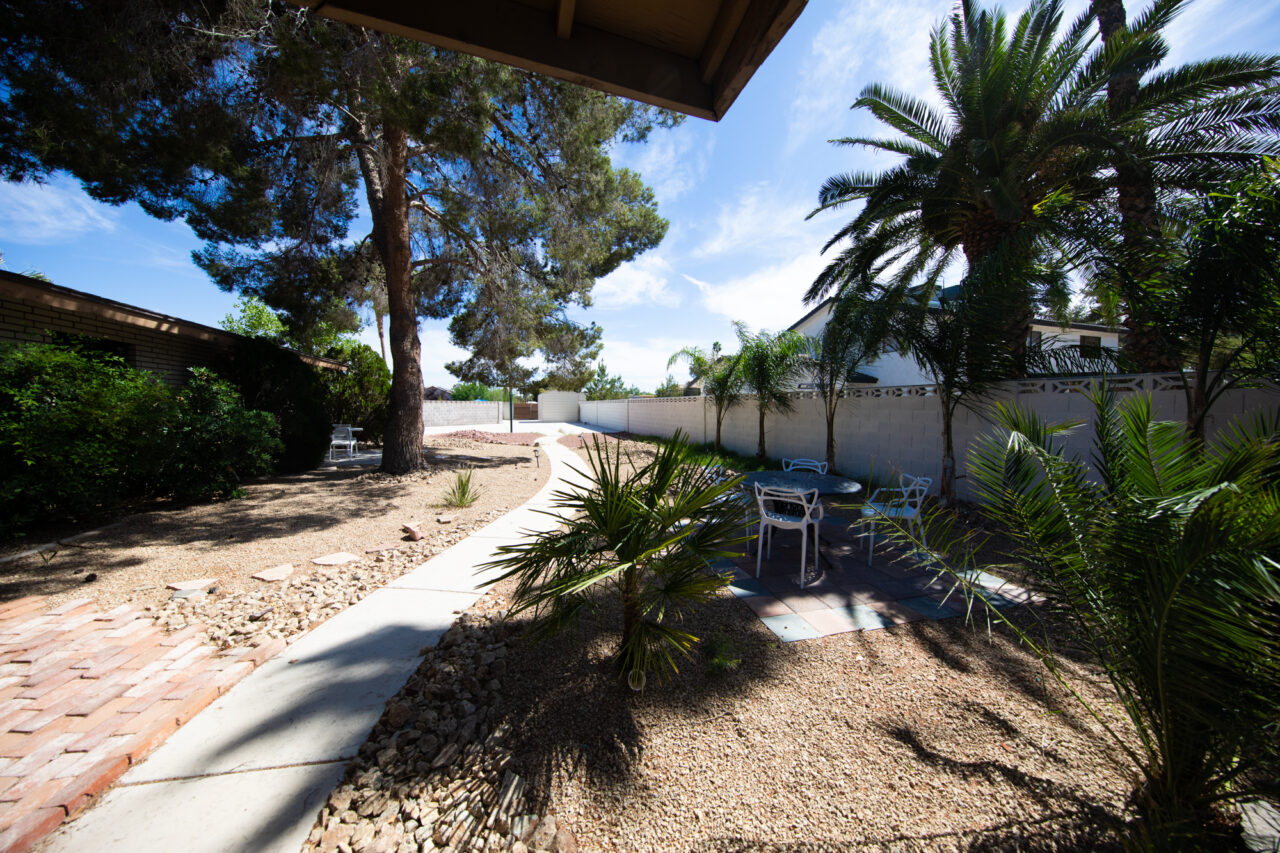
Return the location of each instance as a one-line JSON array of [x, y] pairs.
[[849, 595], [338, 558], [85, 694]]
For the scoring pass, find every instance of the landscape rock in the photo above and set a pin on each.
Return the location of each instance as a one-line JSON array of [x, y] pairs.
[[412, 532], [197, 584], [276, 573]]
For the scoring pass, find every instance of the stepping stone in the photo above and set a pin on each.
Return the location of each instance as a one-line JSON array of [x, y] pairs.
[[189, 593], [276, 573], [339, 558], [444, 519], [385, 546], [197, 584]]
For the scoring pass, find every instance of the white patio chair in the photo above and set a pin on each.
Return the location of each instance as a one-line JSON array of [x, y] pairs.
[[786, 509], [804, 465], [901, 504], [342, 437]]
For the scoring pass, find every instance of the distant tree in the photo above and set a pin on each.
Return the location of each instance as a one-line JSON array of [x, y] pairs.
[[721, 378], [606, 387], [854, 335], [464, 391], [770, 365], [669, 388], [253, 318]]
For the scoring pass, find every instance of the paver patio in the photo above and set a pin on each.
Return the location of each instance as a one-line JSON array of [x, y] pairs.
[[86, 694], [848, 594]]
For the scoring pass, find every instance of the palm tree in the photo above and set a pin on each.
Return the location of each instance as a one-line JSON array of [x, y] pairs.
[[1182, 129], [854, 335], [647, 532], [1164, 567], [770, 365], [1001, 171], [720, 375]]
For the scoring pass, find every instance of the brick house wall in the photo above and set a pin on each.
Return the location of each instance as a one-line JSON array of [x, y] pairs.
[[37, 311]]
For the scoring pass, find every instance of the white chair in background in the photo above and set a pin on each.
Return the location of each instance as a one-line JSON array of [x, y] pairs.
[[786, 509], [804, 465], [343, 437], [900, 504]]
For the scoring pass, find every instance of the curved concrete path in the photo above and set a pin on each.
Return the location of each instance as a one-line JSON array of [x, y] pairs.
[[250, 772]]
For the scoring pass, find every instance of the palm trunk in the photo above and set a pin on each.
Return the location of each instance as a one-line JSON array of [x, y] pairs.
[[388, 203], [831, 435], [630, 605], [720, 412], [947, 487], [1136, 201], [760, 448]]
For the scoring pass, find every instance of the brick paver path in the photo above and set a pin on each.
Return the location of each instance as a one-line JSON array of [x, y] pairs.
[[85, 694]]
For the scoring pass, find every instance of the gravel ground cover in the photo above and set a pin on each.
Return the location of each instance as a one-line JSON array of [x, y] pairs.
[[482, 437], [283, 520], [926, 736]]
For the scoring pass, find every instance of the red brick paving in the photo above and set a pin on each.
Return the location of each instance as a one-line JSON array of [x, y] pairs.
[[85, 694]]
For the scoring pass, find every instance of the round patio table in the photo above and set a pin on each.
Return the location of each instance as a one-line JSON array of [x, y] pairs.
[[828, 485]]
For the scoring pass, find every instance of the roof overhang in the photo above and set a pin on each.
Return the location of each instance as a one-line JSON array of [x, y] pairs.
[[691, 56]]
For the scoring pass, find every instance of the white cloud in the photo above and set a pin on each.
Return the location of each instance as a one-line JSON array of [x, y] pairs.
[[643, 363], [673, 162], [641, 282], [885, 42], [768, 298], [56, 212], [761, 222]]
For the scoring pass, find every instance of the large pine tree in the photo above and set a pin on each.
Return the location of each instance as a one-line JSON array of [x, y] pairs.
[[489, 192]]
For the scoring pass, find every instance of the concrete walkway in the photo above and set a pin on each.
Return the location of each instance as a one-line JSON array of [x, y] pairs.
[[250, 772]]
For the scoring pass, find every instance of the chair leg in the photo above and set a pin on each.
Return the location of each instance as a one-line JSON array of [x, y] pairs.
[[804, 545], [759, 546]]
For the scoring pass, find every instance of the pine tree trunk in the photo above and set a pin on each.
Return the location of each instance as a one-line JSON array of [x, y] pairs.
[[760, 448], [389, 205], [1136, 201]]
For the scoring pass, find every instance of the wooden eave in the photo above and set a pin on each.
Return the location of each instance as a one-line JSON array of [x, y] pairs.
[[691, 56]]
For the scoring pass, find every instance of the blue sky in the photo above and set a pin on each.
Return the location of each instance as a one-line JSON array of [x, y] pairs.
[[736, 193]]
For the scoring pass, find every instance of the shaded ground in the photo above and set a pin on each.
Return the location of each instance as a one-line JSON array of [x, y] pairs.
[[287, 519], [927, 736]]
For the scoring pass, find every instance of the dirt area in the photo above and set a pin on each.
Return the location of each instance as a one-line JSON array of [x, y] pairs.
[[289, 519], [926, 736], [640, 451]]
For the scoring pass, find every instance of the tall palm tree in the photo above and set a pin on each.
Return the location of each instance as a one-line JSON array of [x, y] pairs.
[[770, 365], [1182, 129], [720, 375], [854, 335], [1001, 170]]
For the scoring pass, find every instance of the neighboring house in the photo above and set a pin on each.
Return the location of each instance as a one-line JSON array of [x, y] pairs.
[[35, 310], [898, 368], [435, 392]]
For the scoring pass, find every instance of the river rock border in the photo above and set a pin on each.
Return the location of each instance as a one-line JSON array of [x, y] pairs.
[[434, 774]]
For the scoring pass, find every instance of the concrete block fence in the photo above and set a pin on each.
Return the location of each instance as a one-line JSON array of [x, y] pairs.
[[461, 412], [889, 429]]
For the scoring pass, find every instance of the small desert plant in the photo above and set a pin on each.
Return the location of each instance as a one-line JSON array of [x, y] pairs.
[[462, 493], [723, 655], [649, 533]]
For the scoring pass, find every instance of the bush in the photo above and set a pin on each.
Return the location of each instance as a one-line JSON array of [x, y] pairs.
[[278, 381], [216, 441], [362, 395], [83, 432]]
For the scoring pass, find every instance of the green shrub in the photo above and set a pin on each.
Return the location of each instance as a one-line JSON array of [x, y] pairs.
[[362, 395], [216, 441], [278, 381], [76, 432], [82, 432], [462, 493]]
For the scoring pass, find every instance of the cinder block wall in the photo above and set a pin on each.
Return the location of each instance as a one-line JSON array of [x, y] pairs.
[[889, 429], [167, 355], [461, 412]]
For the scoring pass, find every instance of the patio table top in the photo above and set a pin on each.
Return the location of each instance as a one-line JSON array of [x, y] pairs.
[[828, 485]]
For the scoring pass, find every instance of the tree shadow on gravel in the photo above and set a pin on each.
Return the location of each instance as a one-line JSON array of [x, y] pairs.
[[572, 715], [1063, 833]]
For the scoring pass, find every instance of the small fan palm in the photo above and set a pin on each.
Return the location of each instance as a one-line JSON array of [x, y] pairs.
[[770, 364], [1166, 570], [649, 533]]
